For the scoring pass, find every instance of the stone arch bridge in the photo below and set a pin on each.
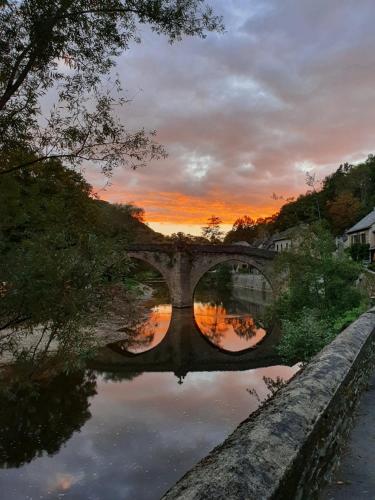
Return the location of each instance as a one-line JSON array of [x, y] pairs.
[[182, 266]]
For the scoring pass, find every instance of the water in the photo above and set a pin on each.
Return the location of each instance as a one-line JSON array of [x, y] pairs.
[[137, 437], [145, 410]]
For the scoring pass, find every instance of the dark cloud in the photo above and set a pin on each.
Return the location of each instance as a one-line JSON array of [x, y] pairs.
[[143, 435], [289, 86]]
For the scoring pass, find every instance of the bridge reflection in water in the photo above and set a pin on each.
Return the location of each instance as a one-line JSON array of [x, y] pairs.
[[207, 339]]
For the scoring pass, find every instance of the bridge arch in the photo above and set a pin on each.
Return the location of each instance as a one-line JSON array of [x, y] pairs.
[[206, 264], [152, 260], [182, 266]]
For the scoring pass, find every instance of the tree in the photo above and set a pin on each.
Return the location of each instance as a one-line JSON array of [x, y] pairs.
[[60, 252], [359, 252], [317, 289], [213, 231], [58, 261], [48, 413], [343, 211], [186, 239], [68, 47], [312, 182], [243, 229]]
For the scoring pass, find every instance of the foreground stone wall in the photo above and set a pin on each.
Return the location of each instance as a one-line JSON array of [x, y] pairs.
[[287, 448]]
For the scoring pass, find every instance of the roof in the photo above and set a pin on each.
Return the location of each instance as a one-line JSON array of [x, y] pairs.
[[242, 243], [364, 223], [283, 235]]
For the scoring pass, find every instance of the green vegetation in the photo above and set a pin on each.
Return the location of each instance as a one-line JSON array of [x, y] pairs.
[[69, 47], [345, 196], [318, 296], [61, 250], [359, 251]]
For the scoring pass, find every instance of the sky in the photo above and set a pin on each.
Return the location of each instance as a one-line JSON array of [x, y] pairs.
[[288, 88]]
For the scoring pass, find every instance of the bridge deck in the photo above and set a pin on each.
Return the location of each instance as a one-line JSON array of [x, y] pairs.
[[203, 249]]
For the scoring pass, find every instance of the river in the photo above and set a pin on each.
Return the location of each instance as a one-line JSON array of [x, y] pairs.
[[146, 408]]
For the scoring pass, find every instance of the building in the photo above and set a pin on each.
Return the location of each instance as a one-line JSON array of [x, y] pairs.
[[282, 241], [363, 233]]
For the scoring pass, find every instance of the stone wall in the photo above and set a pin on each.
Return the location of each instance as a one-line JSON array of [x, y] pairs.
[[287, 449]]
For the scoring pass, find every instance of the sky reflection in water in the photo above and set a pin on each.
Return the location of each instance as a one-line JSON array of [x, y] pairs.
[[143, 434], [231, 332], [131, 435], [149, 332]]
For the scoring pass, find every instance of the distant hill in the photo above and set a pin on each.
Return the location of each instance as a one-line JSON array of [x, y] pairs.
[[343, 198], [127, 221]]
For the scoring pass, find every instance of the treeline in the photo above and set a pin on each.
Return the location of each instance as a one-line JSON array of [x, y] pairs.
[[62, 252], [343, 198], [49, 199]]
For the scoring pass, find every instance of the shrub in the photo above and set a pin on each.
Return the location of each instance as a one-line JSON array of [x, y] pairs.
[[318, 294], [359, 251], [304, 336]]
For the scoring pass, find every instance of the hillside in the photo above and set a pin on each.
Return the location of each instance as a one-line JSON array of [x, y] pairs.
[[127, 220], [343, 198]]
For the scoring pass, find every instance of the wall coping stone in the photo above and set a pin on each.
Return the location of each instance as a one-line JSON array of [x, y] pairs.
[[267, 455]]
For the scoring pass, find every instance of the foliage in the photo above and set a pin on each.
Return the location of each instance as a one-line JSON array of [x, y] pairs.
[[244, 229], [223, 277], [68, 48], [213, 231], [344, 197], [247, 229], [343, 211], [348, 317], [359, 251], [316, 289], [351, 189], [304, 336], [372, 266], [59, 257], [186, 239], [48, 412]]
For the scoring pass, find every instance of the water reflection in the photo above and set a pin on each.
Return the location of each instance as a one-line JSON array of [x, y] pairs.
[[37, 418], [124, 429], [137, 437], [149, 331], [227, 327], [227, 331]]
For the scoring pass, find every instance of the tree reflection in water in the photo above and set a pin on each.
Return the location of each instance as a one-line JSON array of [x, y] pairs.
[[229, 332], [39, 417], [148, 332]]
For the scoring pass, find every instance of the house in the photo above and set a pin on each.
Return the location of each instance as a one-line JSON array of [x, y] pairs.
[[282, 241], [363, 233]]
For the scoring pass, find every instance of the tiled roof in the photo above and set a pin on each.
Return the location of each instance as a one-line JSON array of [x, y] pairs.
[[364, 223]]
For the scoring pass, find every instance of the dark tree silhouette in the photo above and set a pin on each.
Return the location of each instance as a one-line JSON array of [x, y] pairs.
[[39, 418]]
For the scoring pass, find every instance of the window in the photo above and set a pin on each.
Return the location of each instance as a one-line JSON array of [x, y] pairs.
[[363, 238], [355, 239]]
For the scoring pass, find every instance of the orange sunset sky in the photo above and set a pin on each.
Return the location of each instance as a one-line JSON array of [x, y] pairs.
[[288, 88]]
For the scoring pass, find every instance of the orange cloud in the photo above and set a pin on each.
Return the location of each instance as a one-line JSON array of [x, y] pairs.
[[179, 208]]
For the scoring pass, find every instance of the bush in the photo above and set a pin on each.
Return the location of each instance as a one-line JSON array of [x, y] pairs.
[[359, 251], [318, 295], [304, 336]]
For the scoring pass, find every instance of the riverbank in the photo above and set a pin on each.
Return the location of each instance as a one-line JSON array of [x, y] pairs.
[[124, 313]]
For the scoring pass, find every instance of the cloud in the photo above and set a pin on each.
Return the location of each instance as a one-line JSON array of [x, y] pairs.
[[289, 84], [143, 435]]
